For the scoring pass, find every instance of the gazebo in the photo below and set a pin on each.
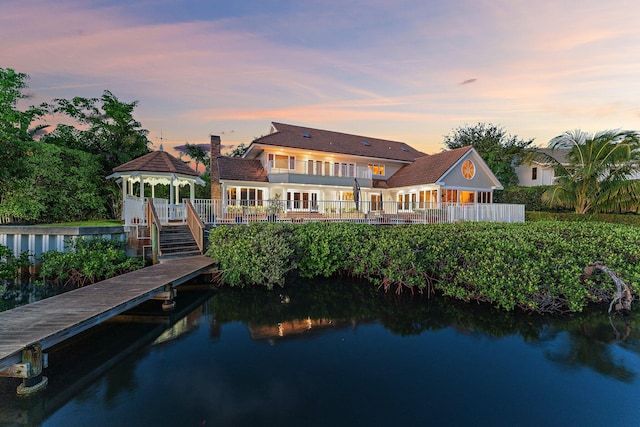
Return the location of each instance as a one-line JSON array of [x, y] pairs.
[[157, 167]]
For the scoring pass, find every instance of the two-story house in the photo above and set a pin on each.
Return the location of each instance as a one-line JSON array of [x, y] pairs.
[[316, 170]]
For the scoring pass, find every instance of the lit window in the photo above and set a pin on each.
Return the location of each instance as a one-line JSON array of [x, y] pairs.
[[468, 169]]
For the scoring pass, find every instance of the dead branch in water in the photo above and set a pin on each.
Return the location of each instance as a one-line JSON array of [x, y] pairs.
[[623, 296]]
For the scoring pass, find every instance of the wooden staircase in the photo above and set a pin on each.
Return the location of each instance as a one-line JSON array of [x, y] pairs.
[[177, 241]]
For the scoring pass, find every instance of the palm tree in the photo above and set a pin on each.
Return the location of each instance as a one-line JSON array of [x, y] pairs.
[[197, 153], [598, 172]]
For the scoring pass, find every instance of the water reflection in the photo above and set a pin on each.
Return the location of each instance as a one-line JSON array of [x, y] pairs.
[[210, 357]]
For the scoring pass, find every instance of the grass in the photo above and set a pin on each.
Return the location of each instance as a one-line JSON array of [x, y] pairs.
[[94, 223]]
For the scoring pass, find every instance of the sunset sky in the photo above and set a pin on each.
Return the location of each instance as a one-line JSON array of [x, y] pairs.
[[409, 71]]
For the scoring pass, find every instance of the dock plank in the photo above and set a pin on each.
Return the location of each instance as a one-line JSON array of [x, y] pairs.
[[57, 318]]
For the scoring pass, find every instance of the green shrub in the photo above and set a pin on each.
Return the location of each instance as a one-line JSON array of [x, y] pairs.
[[532, 266], [256, 254], [530, 197], [10, 266], [627, 219], [87, 260]]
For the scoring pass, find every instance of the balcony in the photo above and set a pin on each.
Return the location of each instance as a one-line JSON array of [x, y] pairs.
[[319, 173]]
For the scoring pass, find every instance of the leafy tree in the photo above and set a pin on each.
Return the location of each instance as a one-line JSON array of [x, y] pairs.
[[15, 125], [58, 184], [501, 151], [238, 151], [111, 132], [597, 176]]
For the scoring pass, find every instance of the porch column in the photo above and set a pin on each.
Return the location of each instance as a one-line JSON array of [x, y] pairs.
[[192, 187], [171, 191]]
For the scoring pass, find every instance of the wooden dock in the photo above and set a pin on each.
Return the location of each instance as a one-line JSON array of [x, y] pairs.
[[52, 320]]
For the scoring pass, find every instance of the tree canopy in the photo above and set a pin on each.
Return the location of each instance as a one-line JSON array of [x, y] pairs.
[[15, 124], [500, 150], [111, 130], [61, 175], [596, 178]]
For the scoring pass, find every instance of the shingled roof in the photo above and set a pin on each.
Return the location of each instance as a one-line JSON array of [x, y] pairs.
[[336, 142], [239, 169], [157, 161], [427, 169]]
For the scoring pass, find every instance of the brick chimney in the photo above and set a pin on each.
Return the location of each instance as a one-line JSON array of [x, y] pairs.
[[216, 187]]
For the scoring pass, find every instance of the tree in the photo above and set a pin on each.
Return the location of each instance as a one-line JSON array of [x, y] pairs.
[[238, 151], [597, 176], [58, 184], [197, 153], [15, 125], [111, 132], [501, 151]]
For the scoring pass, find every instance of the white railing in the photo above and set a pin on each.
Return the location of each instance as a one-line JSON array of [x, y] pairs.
[[216, 212], [306, 167], [246, 211], [133, 211]]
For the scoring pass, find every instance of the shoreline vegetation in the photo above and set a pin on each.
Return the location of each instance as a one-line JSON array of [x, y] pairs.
[[538, 266], [535, 267]]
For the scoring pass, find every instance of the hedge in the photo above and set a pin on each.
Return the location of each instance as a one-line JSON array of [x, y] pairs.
[[532, 266]]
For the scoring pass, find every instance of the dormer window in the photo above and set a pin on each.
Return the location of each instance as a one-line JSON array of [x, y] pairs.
[[376, 169], [306, 135]]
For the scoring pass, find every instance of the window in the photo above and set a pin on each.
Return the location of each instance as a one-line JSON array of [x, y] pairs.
[[534, 174], [376, 202], [248, 196], [310, 167], [302, 200], [427, 197], [449, 196], [376, 169], [467, 197], [484, 197], [282, 162], [468, 169], [406, 202]]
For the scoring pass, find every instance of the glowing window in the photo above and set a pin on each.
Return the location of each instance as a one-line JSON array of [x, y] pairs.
[[468, 169]]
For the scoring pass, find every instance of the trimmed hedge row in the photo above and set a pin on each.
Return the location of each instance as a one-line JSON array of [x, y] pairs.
[[532, 266], [627, 219]]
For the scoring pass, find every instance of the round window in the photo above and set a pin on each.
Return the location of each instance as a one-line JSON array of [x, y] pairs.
[[468, 169]]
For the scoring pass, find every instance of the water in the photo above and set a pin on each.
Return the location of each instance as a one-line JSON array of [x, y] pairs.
[[338, 354]]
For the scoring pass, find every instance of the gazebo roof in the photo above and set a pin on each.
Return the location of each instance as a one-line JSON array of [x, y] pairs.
[[157, 167], [157, 161]]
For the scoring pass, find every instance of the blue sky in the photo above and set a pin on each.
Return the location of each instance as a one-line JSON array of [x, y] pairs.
[[404, 70]]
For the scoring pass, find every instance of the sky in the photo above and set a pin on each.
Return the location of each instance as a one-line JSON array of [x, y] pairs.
[[404, 70]]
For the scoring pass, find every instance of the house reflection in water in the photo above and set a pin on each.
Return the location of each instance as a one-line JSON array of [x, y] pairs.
[[300, 328]]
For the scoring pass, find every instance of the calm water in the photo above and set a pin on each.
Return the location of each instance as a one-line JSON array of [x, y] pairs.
[[338, 354]]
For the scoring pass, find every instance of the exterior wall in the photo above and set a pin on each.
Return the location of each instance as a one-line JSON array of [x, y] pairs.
[[481, 181], [545, 175]]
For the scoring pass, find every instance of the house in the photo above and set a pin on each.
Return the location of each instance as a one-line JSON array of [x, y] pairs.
[[302, 174], [540, 171], [316, 170]]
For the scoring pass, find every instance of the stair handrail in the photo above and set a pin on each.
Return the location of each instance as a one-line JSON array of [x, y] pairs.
[[155, 226], [196, 226]]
